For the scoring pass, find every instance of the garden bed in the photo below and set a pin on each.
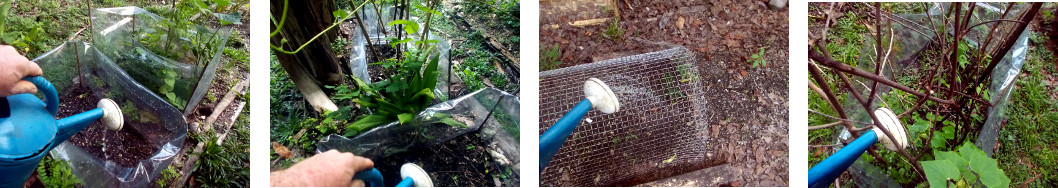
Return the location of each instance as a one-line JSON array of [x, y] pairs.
[[126, 147]]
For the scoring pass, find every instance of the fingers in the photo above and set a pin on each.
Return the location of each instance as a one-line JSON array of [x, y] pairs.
[[22, 65], [360, 163], [23, 86], [29, 68], [352, 162], [357, 183]]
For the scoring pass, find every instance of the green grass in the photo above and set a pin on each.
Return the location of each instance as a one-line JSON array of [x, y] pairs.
[[1027, 141], [905, 7], [36, 26], [846, 38], [227, 164]]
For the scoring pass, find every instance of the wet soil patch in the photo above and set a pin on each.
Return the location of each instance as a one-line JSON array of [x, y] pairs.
[[460, 162], [125, 147]]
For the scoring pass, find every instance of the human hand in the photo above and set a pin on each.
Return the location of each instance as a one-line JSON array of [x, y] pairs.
[[327, 169], [14, 67]]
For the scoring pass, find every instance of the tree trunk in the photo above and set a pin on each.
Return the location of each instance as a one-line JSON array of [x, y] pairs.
[[316, 63]]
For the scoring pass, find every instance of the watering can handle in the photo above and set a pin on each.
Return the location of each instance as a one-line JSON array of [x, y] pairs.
[[371, 177], [51, 97]]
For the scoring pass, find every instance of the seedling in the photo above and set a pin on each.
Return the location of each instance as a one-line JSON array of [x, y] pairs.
[[758, 58]]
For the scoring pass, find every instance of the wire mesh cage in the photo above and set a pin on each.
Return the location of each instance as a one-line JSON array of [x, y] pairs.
[[659, 131]]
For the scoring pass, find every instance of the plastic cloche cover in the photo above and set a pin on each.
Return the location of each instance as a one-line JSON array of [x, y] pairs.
[[500, 131], [360, 52], [104, 78], [159, 53]]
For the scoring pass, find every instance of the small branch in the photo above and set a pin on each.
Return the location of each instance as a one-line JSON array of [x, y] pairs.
[[835, 118], [818, 91], [1002, 51], [823, 60]]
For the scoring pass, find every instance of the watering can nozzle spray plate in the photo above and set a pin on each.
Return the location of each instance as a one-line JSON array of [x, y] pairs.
[[891, 122], [600, 95], [418, 176], [112, 117]]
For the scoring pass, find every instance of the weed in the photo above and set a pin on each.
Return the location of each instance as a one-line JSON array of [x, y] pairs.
[[550, 58], [167, 175], [614, 31], [340, 45], [758, 58]]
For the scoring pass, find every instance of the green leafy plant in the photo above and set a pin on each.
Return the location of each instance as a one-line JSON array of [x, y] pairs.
[[56, 173], [758, 58], [964, 168], [614, 31], [550, 58], [167, 175], [398, 98], [169, 76], [404, 94]]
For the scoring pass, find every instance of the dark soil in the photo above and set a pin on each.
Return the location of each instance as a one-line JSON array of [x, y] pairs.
[[460, 162], [376, 71], [125, 147], [750, 105]]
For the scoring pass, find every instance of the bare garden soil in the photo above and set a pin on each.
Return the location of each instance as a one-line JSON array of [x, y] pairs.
[[125, 147]]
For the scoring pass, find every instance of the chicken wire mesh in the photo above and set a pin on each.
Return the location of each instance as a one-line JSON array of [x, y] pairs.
[[659, 131]]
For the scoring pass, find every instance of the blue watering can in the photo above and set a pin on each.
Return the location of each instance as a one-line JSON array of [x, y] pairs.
[[412, 176], [596, 95], [824, 173], [28, 129]]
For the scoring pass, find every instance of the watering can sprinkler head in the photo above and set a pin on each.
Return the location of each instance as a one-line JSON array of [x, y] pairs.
[[891, 122], [112, 117], [600, 95], [418, 176]]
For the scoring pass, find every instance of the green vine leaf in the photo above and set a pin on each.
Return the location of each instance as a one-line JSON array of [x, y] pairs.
[[410, 27], [939, 171], [984, 166]]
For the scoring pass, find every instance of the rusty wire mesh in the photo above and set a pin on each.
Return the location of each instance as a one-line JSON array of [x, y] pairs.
[[660, 129]]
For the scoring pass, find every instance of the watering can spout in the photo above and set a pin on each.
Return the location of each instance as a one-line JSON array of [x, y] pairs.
[[824, 173], [107, 112], [597, 96]]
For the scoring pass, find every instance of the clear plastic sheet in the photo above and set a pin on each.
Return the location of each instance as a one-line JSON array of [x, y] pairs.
[[377, 33], [499, 129], [161, 54], [912, 33], [107, 80]]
